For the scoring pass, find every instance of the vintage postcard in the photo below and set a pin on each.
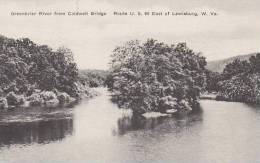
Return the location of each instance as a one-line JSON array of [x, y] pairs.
[[129, 81]]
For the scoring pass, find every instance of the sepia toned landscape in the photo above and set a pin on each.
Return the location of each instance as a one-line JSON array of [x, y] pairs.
[[127, 88]]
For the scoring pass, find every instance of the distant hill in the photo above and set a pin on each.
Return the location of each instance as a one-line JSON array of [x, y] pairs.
[[219, 65]]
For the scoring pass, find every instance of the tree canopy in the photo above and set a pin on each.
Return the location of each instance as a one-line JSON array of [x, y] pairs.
[[154, 76], [241, 81], [25, 65]]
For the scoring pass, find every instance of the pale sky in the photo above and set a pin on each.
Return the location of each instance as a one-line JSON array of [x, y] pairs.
[[235, 31]]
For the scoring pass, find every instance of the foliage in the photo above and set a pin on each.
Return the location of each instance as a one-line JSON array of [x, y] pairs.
[[14, 100], [255, 63], [3, 103], [24, 64], [236, 67], [212, 78], [241, 81], [40, 98], [154, 76], [64, 97], [36, 100], [93, 78]]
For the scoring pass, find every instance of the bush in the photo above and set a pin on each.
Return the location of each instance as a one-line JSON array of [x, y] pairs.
[[14, 99], [3, 103], [48, 95], [35, 100], [63, 97], [168, 102], [41, 98]]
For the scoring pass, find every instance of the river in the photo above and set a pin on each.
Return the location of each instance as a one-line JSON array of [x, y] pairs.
[[97, 131]]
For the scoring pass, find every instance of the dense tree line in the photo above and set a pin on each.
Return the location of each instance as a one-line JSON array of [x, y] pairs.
[[154, 76], [212, 79], [93, 78], [240, 81], [28, 69]]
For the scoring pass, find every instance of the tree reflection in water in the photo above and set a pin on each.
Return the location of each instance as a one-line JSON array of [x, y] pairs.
[[26, 126], [35, 132], [175, 123]]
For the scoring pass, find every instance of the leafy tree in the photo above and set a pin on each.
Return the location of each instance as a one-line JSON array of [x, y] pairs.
[[155, 76], [255, 63], [241, 81], [93, 78], [212, 80], [236, 67], [25, 65]]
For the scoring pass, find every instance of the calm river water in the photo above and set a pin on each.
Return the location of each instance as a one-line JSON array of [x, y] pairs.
[[96, 131]]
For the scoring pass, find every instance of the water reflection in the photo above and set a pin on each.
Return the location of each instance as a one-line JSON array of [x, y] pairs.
[[254, 107], [224, 131], [35, 132], [26, 126], [176, 122]]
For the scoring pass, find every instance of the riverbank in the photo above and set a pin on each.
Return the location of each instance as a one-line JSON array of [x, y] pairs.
[[209, 96], [45, 98]]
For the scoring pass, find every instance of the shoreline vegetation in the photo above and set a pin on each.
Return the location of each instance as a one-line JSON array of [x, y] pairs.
[[238, 82], [36, 75], [156, 77], [150, 78], [242, 86]]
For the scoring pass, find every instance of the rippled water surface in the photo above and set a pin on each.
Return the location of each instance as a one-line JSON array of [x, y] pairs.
[[97, 131]]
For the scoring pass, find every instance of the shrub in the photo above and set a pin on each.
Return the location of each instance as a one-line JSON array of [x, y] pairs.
[[40, 98], [14, 99], [3, 103], [35, 100], [48, 95], [63, 97]]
